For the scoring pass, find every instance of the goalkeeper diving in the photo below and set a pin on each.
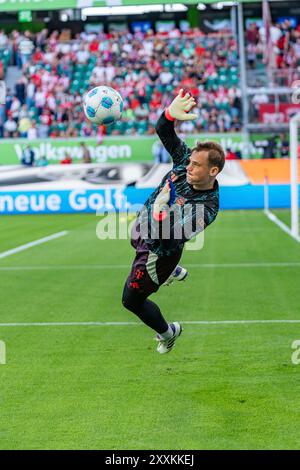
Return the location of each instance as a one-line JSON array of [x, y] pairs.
[[183, 205]]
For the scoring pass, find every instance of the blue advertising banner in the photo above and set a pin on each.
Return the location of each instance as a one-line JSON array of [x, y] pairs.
[[78, 200], [127, 199]]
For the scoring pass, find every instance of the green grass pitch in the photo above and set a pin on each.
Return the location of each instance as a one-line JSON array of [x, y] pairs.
[[224, 386]]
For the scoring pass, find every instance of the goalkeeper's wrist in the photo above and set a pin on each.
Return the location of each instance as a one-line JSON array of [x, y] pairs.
[[159, 216], [159, 212], [168, 115]]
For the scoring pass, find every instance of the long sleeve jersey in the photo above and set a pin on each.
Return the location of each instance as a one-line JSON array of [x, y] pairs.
[[192, 211]]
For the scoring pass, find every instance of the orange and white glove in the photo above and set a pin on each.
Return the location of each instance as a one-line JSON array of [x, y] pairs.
[[180, 107]]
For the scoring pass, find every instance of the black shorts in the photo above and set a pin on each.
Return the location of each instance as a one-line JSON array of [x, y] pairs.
[[148, 271]]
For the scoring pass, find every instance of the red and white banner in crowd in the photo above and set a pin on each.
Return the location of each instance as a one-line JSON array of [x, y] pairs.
[[270, 113], [267, 21]]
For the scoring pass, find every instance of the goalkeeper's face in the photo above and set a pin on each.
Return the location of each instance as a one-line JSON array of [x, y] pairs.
[[199, 171]]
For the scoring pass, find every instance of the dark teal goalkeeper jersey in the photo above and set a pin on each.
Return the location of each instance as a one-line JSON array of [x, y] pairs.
[[192, 211]]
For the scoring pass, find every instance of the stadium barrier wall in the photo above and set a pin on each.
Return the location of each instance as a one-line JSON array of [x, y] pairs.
[[129, 199]]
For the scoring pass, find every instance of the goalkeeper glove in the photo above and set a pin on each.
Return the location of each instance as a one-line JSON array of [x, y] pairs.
[[180, 107], [166, 196]]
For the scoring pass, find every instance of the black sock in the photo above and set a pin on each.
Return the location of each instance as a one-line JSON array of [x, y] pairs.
[[145, 309]]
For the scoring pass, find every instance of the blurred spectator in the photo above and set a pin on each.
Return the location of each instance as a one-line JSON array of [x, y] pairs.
[[86, 154], [284, 146], [20, 89], [10, 127], [230, 155], [15, 108], [252, 34], [41, 39], [258, 99], [2, 119], [27, 156], [4, 42], [32, 132], [270, 149], [42, 131], [160, 153], [25, 49], [251, 55], [24, 126], [42, 161], [67, 160], [82, 55], [9, 99]]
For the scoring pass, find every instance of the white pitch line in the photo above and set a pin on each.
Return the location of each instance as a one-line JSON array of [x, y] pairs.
[[281, 224], [286, 264], [5, 254], [71, 324], [196, 322], [246, 265]]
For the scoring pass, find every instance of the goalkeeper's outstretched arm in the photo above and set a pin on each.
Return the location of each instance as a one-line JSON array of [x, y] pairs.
[[178, 109]]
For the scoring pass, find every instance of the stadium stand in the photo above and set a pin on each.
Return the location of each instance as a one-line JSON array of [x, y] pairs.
[[147, 69], [286, 51]]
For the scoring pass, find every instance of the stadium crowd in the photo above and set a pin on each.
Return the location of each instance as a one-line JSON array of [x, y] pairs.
[[147, 69], [285, 41]]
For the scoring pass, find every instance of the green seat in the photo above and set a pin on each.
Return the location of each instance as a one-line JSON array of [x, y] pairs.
[[141, 127], [234, 80], [210, 82], [161, 88], [33, 114], [178, 63], [77, 75], [223, 80], [166, 63], [260, 66], [149, 91], [62, 126], [129, 125], [119, 126], [53, 127]]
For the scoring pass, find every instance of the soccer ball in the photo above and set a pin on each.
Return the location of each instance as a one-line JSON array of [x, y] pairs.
[[103, 105]]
